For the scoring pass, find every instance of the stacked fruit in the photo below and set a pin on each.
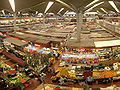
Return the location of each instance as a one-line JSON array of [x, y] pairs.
[[107, 74]]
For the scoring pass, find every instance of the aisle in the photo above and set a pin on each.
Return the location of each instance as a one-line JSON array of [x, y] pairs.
[[51, 87], [56, 64], [33, 85]]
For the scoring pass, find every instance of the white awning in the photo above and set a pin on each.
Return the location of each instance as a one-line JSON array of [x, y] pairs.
[[107, 43]]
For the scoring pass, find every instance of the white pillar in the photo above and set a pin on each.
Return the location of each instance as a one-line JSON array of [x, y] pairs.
[[14, 22], [56, 19], [79, 17], [44, 19]]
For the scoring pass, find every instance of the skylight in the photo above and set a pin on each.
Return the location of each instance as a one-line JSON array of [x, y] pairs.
[[61, 10], [94, 6], [48, 6], [113, 5], [12, 3], [92, 3], [103, 10]]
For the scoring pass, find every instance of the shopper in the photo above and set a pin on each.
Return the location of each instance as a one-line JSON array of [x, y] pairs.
[[61, 80], [89, 80]]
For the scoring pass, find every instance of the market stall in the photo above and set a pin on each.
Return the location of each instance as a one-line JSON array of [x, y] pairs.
[[108, 50]]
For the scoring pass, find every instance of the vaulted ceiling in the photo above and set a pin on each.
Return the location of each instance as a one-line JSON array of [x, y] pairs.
[[71, 5]]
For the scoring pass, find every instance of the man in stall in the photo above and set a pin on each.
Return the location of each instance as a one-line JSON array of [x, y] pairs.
[[89, 80]]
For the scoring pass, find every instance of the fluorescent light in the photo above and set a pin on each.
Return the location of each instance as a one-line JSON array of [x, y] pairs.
[[71, 13], [92, 3], [103, 10], [91, 13], [48, 6], [12, 3], [113, 5], [94, 6], [61, 10]]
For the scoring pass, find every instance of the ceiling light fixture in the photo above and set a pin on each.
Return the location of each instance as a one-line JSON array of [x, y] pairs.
[[103, 10], [66, 12], [61, 10], [92, 3], [36, 12], [48, 6], [12, 3], [94, 6], [98, 11], [19, 13], [113, 5], [3, 12]]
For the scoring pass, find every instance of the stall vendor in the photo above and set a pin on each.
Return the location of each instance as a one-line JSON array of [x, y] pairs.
[[89, 80]]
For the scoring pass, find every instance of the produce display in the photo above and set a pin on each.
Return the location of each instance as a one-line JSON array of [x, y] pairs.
[[76, 72], [62, 72], [107, 74], [104, 74], [13, 77]]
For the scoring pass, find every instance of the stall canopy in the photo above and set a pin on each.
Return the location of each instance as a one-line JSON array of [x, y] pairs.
[[88, 43], [15, 41], [107, 43]]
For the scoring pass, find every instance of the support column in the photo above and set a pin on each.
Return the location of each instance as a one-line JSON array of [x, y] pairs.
[[79, 17], [56, 19], [44, 19], [14, 22]]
